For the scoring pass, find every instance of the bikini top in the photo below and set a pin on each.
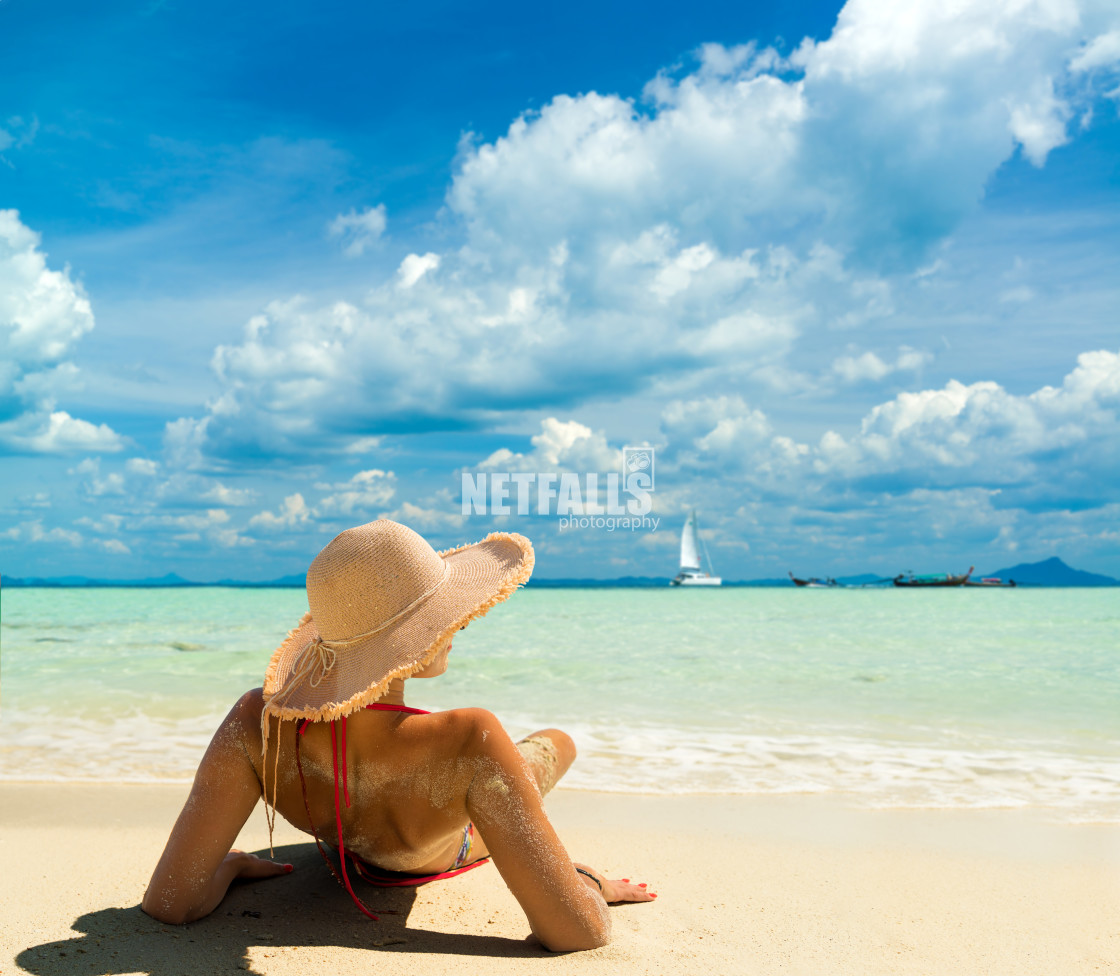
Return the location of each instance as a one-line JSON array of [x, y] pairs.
[[384, 881]]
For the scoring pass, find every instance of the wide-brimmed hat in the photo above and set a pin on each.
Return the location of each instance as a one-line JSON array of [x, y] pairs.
[[382, 604]]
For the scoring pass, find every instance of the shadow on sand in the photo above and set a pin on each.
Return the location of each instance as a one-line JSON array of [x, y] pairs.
[[305, 908]]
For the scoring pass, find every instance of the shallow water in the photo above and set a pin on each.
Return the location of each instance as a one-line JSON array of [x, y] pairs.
[[894, 697]]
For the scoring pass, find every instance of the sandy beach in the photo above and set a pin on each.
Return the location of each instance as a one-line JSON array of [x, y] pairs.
[[747, 885]]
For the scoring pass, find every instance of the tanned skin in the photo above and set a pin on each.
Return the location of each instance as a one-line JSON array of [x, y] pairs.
[[415, 782]]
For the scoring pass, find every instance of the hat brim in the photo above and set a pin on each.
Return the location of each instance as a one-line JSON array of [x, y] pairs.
[[479, 576]]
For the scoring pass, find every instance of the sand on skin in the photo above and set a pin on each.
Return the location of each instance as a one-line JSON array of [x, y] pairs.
[[747, 885]]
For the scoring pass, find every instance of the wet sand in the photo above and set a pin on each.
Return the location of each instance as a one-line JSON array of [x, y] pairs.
[[747, 885]]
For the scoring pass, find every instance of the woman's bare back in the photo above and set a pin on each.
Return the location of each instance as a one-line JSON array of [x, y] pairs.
[[407, 776]]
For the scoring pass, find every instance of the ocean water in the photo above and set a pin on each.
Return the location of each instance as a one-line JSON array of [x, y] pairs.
[[922, 698]]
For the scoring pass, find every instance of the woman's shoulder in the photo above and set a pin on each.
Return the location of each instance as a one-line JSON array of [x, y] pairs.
[[473, 722], [248, 707]]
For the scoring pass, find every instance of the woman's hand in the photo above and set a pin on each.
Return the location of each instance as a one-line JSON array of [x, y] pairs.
[[252, 867], [615, 891]]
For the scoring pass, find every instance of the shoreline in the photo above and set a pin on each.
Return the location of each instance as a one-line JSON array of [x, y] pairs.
[[802, 884]]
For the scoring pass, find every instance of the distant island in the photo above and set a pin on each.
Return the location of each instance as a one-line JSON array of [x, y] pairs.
[[1052, 572], [1049, 572]]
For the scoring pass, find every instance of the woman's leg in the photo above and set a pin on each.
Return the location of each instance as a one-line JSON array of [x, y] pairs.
[[549, 754]]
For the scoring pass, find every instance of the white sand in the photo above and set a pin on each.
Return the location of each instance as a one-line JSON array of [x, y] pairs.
[[747, 885]]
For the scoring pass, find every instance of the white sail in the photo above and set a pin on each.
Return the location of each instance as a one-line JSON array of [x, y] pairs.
[[691, 574], [690, 554]]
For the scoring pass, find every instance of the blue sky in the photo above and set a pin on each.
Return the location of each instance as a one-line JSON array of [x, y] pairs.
[[271, 271]]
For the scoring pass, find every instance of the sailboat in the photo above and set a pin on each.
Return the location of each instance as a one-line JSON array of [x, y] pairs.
[[691, 574]]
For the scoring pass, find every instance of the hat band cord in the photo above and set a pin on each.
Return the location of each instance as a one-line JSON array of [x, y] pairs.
[[346, 641]]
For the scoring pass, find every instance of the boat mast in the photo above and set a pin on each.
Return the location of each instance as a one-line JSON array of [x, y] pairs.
[[703, 544]]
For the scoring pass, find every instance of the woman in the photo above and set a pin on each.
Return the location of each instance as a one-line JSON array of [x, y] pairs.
[[404, 796]]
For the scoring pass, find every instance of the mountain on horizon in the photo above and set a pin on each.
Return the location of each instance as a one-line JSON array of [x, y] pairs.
[[1052, 572]]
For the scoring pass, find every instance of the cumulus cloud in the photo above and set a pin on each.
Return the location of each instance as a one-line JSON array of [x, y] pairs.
[[57, 433], [93, 483], [726, 436], [1102, 51], [34, 532], [414, 267], [43, 314], [980, 434], [363, 493], [868, 367], [358, 230], [609, 244], [293, 512], [427, 519], [560, 446], [143, 466], [1044, 450]]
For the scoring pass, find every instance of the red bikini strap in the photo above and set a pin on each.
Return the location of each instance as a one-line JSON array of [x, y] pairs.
[[344, 880], [345, 784], [384, 707], [307, 805], [338, 823]]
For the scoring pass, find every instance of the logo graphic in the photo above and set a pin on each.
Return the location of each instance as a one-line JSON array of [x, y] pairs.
[[638, 475]]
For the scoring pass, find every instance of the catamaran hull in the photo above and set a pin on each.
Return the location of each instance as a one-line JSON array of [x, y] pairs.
[[696, 581]]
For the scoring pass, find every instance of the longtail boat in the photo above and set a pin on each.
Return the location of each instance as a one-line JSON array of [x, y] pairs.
[[940, 579], [814, 582]]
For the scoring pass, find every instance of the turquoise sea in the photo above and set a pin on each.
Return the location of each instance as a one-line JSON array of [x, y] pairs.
[[927, 698]]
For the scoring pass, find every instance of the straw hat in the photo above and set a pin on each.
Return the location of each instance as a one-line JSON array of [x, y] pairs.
[[383, 603]]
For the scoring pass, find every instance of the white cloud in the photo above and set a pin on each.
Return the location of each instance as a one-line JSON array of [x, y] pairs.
[[92, 481], [142, 466], [1102, 51], [1039, 124], [855, 369], [981, 434], [414, 267], [364, 493], [560, 446], [293, 511], [183, 440], [230, 539], [428, 519], [43, 314], [738, 216], [725, 435], [34, 532], [215, 491], [868, 367], [57, 433], [211, 518], [107, 524], [359, 229]]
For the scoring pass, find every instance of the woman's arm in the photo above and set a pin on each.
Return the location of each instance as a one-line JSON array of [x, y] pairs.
[[565, 909], [197, 866]]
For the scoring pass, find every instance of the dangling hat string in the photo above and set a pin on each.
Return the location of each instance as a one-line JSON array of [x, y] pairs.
[[318, 656]]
